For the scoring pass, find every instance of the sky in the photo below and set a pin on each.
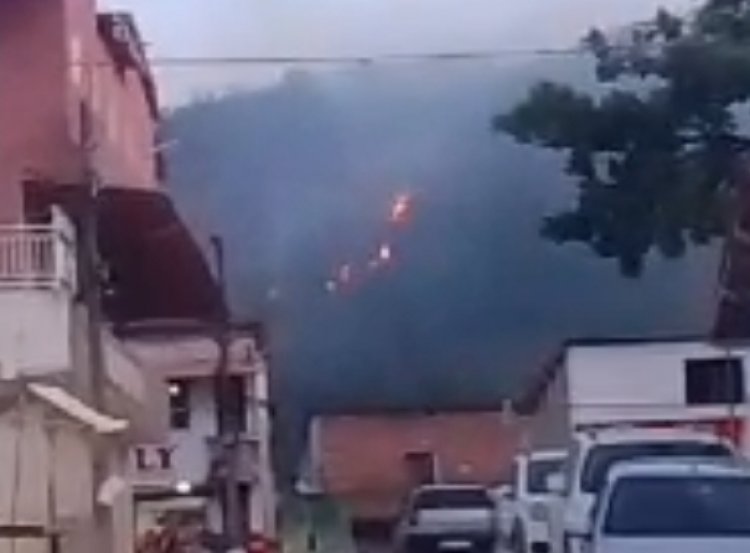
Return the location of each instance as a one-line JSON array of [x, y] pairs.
[[355, 27]]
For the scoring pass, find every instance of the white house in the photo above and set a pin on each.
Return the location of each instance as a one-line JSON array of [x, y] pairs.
[[643, 381], [177, 476], [62, 468]]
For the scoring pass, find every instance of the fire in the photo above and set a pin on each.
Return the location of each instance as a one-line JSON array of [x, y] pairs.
[[385, 254], [345, 273], [401, 209]]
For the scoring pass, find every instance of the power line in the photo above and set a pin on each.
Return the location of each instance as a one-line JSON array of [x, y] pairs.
[[447, 56]]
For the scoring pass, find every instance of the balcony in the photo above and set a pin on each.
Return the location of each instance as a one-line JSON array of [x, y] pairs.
[[37, 282]]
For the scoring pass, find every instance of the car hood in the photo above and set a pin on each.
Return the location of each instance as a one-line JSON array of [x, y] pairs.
[[673, 545]]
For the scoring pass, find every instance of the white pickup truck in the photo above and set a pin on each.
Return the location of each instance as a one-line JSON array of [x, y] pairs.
[[593, 453], [441, 518], [524, 507]]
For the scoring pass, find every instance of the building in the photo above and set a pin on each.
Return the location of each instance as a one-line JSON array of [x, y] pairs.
[[178, 475], [686, 381], [78, 135], [371, 461]]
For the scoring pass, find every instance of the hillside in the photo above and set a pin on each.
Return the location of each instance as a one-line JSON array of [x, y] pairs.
[[298, 178]]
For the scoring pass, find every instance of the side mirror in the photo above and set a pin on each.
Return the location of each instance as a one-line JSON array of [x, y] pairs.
[[555, 483]]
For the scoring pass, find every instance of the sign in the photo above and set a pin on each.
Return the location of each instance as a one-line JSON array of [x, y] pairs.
[[153, 464]]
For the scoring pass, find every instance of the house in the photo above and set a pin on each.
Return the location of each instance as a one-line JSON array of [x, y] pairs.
[[667, 381], [178, 474], [78, 134], [370, 462]]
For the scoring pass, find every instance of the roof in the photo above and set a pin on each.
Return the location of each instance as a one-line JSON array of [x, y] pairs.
[[677, 467], [615, 435], [156, 269], [547, 455], [605, 341]]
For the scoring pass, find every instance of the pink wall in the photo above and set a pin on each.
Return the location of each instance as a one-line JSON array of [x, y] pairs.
[[32, 116], [52, 59], [362, 457]]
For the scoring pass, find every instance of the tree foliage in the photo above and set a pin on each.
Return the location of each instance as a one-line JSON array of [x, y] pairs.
[[654, 151]]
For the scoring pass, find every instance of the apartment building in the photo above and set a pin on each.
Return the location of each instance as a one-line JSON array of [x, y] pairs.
[[78, 132]]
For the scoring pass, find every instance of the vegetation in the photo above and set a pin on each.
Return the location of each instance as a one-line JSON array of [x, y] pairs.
[[654, 153]]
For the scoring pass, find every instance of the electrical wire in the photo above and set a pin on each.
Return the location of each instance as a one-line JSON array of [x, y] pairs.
[[447, 56]]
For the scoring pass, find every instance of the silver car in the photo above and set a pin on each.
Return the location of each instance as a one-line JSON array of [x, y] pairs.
[[673, 506]]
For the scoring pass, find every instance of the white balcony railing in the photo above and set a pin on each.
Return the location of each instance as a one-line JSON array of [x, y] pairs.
[[38, 256]]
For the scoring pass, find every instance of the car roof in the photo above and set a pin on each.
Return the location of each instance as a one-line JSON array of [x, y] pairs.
[[449, 487], [546, 455], [680, 467], [615, 435]]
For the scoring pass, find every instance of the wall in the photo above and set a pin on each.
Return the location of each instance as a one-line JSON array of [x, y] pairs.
[[362, 457], [33, 117], [51, 59], [35, 332], [644, 381], [550, 426]]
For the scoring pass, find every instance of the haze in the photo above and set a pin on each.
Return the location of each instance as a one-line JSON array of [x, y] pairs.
[[355, 27]]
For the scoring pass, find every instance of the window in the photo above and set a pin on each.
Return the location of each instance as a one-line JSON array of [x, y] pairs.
[[602, 457], [238, 403], [454, 498], [714, 381], [538, 472], [679, 507], [179, 404]]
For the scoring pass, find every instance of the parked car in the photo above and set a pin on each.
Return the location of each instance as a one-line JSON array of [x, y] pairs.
[[524, 509], [448, 518], [593, 453], [672, 506]]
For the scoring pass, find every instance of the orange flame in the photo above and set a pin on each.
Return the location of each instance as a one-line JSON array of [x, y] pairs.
[[385, 254], [401, 209]]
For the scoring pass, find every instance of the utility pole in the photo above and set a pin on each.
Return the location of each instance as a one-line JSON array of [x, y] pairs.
[[226, 420], [90, 275]]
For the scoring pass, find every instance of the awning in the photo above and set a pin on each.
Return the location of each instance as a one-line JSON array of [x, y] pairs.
[[77, 409]]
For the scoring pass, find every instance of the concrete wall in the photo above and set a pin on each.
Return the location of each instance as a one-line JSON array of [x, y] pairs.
[[631, 383], [644, 381], [52, 60], [33, 103], [35, 332]]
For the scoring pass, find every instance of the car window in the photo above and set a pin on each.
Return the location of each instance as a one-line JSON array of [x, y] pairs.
[[538, 471], [695, 506], [458, 498], [601, 457]]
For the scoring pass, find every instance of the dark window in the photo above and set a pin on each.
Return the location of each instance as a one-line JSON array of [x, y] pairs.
[[602, 457], [238, 403], [179, 404], [420, 467], [454, 498], [714, 381], [684, 506], [539, 470]]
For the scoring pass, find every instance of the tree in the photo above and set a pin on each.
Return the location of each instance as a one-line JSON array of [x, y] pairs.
[[654, 153]]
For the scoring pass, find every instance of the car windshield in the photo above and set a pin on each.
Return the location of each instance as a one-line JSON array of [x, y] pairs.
[[694, 506], [601, 457], [539, 470], [456, 498]]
